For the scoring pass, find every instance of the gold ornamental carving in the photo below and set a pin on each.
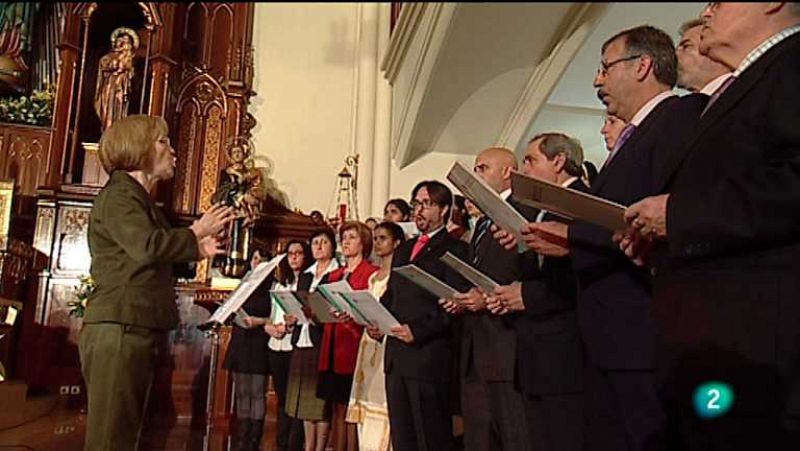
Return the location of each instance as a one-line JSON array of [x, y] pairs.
[[186, 150], [211, 157]]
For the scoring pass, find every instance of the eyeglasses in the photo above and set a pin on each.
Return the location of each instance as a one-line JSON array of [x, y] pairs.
[[604, 67], [424, 204]]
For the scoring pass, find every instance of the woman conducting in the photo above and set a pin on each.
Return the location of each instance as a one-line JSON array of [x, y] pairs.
[[133, 250]]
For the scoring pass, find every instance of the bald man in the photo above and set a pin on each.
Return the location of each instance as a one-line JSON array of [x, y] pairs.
[[493, 409]]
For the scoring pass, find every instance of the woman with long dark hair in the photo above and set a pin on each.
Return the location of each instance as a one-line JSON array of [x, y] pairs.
[[298, 258]]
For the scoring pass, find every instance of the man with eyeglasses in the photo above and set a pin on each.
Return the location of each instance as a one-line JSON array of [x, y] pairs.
[[728, 307], [637, 72], [418, 353]]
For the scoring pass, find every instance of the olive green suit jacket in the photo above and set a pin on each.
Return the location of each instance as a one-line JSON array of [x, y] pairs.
[[133, 250]]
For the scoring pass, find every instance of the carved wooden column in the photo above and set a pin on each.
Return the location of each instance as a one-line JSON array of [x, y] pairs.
[[68, 49]]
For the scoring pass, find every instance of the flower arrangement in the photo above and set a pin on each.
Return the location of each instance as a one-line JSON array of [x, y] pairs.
[[82, 292], [36, 109]]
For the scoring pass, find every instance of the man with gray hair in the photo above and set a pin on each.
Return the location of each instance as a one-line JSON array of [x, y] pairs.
[[638, 70], [697, 72], [727, 302], [546, 320]]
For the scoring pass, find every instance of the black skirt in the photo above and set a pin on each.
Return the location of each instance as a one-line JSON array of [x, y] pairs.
[[247, 351], [334, 387]]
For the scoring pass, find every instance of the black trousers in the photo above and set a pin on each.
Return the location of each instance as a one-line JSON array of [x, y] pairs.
[[555, 422], [494, 416], [419, 414], [289, 435], [623, 411]]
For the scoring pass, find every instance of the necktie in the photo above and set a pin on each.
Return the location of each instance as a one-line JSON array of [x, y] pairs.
[[540, 218], [480, 230], [421, 242], [627, 131], [716, 95]]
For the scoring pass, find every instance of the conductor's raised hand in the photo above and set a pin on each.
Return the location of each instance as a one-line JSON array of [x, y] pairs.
[[213, 221], [210, 247]]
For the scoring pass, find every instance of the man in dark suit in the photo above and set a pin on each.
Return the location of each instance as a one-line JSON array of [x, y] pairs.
[[493, 409], [727, 303], [418, 354], [550, 360], [638, 71]]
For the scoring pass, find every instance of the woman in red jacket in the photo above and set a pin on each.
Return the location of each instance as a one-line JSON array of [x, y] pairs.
[[337, 359]]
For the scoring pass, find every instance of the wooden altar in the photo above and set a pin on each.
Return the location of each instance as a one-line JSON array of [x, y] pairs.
[[194, 68]]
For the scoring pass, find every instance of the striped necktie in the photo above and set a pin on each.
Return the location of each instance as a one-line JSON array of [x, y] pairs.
[[480, 230]]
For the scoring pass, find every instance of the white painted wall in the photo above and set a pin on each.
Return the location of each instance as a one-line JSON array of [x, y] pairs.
[[304, 80], [432, 166]]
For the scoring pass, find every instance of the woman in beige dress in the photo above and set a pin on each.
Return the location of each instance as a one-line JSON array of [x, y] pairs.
[[367, 406]]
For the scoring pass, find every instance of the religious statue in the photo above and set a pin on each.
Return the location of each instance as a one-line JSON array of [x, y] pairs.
[[242, 187], [242, 184], [114, 75]]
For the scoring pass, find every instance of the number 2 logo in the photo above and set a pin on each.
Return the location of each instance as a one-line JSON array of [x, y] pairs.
[[713, 399], [712, 403]]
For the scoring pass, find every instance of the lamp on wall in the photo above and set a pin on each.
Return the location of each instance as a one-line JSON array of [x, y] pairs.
[[345, 205]]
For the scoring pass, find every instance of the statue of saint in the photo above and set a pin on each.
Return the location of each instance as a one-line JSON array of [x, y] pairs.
[[114, 74], [241, 183]]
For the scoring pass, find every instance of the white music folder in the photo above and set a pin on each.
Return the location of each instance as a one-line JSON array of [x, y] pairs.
[[475, 277], [488, 200], [249, 283], [426, 281]]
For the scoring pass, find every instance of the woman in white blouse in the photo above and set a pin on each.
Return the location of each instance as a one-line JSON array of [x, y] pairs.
[[289, 435], [302, 402]]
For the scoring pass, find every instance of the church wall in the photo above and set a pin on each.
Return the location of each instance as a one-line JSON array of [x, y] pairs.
[[304, 83], [432, 166]]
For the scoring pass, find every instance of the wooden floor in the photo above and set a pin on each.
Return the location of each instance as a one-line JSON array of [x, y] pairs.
[[64, 426]]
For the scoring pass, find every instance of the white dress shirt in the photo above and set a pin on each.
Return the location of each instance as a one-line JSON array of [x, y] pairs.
[[304, 341]]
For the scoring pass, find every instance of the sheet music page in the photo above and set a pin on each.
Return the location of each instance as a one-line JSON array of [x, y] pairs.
[[567, 202], [332, 293], [487, 200], [320, 306], [426, 281], [249, 283], [474, 276], [289, 304], [373, 311]]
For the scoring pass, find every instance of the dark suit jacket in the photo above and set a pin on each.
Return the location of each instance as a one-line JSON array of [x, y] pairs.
[[728, 303], [614, 305], [549, 350], [429, 356], [488, 342]]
